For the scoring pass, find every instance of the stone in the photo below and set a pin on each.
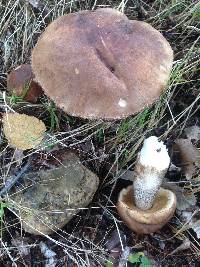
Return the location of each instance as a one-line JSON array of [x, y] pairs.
[[55, 196]]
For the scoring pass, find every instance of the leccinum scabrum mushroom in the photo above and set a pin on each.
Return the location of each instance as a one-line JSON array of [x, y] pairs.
[[146, 207], [99, 64]]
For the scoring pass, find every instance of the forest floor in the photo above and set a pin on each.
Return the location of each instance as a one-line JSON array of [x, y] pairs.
[[97, 236]]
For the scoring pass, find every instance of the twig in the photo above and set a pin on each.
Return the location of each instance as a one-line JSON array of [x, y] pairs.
[[9, 254], [12, 181]]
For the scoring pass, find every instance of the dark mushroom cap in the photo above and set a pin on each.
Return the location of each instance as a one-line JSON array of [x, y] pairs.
[[146, 221], [21, 82], [100, 64]]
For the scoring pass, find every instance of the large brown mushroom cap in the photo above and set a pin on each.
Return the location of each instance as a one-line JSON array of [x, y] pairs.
[[100, 64], [146, 221]]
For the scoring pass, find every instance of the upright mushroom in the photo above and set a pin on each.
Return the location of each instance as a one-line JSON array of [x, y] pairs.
[[100, 64], [145, 207]]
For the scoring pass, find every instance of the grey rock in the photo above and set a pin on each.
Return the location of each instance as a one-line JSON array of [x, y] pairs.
[[55, 197]]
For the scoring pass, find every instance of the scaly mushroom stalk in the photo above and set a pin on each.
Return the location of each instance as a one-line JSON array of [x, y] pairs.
[[152, 164], [146, 207]]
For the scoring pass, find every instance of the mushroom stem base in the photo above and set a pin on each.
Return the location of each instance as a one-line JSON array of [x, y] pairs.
[[148, 221]]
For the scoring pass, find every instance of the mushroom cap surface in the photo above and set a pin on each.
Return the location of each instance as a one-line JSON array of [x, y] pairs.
[[100, 64], [23, 131], [148, 221], [21, 82]]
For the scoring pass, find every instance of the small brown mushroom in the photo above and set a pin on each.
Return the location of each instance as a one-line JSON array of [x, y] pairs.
[[148, 221], [21, 82], [100, 64], [23, 131]]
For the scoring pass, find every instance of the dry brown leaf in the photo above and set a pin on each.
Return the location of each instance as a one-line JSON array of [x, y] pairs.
[[193, 221], [23, 131], [193, 132], [184, 199], [190, 157]]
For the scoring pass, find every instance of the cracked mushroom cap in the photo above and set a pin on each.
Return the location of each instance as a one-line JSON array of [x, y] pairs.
[[23, 131], [100, 64], [148, 221], [21, 82]]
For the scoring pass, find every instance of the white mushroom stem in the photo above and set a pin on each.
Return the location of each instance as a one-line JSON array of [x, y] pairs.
[[152, 164]]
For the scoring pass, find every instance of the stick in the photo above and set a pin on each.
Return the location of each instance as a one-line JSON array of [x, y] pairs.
[[12, 181]]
